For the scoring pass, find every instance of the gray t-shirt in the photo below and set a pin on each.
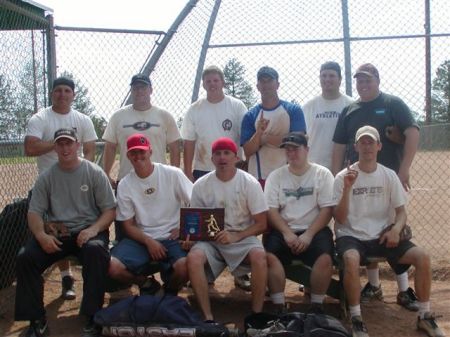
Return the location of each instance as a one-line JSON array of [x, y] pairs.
[[76, 198]]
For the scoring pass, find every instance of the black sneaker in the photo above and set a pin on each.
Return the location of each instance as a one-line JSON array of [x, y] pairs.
[[358, 327], [38, 328], [408, 300], [91, 329], [68, 291], [371, 292], [150, 287]]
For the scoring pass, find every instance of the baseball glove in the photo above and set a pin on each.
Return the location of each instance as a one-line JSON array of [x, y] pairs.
[[394, 134]]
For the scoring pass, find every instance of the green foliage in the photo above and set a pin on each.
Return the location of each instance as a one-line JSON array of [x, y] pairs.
[[440, 97], [235, 83], [8, 109]]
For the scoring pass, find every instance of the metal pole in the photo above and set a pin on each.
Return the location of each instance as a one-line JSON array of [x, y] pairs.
[[347, 51], [201, 60], [151, 63], [51, 55], [427, 63], [33, 59]]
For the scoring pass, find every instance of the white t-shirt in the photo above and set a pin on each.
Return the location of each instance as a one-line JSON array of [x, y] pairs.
[[242, 197], [299, 198], [373, 199], [44, 124], [321, 116], [204, 122], [154, 201], [157, 124]]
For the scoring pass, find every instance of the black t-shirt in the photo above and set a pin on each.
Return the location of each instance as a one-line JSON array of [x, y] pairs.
[[385, 110]]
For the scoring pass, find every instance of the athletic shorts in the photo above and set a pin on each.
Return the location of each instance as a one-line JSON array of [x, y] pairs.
[[136, 257], [322, 243], [374, 248], [232, 255]]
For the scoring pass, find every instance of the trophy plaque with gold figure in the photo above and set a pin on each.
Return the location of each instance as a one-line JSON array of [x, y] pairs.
[[201, 224]]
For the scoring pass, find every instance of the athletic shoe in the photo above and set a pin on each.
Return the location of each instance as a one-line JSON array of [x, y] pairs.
[[429, 325], [371, 292], [358, 327], [91, 329], [68, 291], [243, 282], [150, 287], [38, 328], [408, 300]]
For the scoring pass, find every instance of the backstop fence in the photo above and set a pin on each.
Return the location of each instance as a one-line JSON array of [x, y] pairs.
[[408, 40]]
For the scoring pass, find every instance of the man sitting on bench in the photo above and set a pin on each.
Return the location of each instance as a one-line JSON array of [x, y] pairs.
[[369, 197], [300, 199]]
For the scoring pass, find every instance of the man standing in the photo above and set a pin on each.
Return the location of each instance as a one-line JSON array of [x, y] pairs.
[[400, 137], [217, 115], [264, 126], [140, 116], [237, 245], [300, 199], [77, 198], [39, 143], [322, 113], [148, 205], [369, 197]]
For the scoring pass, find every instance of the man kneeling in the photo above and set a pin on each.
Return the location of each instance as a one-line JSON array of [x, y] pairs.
[[369, 197]]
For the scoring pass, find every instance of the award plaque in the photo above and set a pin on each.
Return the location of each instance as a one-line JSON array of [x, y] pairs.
[[201, 224]]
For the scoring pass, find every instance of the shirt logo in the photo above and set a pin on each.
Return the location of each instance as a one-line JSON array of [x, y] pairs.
[[299, 192], [380, 111], [150, 190], [84, 188], [227, 125], [141, 126], [369, 191]]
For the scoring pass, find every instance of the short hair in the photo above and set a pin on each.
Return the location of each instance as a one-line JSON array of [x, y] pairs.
[[331, 65], [213, 70]]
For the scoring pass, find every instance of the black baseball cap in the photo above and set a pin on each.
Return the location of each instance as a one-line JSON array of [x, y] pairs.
[[141, 78], [65, 133], [294, 139], [64, 81]]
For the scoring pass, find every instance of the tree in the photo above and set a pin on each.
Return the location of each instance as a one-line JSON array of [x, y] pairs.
[[83, 104], [440, 97], [235, 83], [7, 110]]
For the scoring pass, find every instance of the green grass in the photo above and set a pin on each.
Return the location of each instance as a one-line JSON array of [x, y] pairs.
[[17, 160]]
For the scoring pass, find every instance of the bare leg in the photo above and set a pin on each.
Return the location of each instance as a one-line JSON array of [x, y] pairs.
[[352, 283], [196, 261], [179, 276], [321, 275], [258, 265]]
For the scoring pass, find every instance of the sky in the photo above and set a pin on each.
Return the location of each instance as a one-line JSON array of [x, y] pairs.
[[130, 14]]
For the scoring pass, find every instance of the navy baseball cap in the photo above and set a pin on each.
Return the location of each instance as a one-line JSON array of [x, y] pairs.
[[141, 78], [294, 139], [65, 133], [267, 72], [64, 81]]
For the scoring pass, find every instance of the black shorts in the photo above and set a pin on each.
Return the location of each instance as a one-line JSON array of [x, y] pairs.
[[374, 248], [322, 243]]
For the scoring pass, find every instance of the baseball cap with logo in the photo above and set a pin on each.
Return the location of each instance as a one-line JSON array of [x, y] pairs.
[[367, 130], [65, 133], [141, 78], [294, 139], [367, 69], [138, 141], [267, 72]]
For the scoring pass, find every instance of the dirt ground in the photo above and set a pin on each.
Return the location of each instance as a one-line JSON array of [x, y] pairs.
[[230, 305]]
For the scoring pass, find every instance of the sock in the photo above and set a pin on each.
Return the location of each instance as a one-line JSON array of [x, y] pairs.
[[66, 272], [402, 281], [277, 298], [317, 298], [423, 308], [374, 276], [355, 310]]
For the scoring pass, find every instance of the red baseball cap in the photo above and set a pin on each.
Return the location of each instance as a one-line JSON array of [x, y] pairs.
[[138, 141], [224, 143]]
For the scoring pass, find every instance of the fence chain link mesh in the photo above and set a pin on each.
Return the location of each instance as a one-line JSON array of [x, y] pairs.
[[295, 37]]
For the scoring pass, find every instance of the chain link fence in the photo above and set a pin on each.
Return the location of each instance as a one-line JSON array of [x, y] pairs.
[[407, 40]]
